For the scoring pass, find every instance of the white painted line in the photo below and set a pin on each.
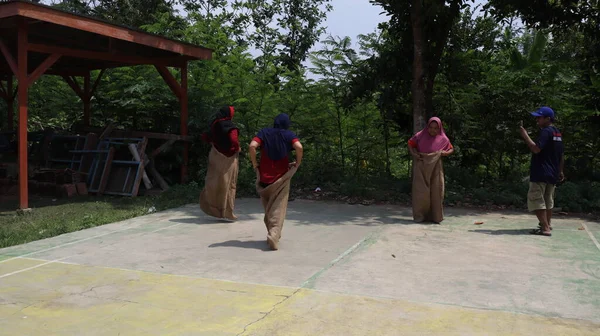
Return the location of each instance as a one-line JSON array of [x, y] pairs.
[[591, 235], [66, 244], [86, 239], [33, 267], [335, 261], [167, 274]]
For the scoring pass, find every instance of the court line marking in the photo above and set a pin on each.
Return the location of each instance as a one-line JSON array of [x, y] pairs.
[[32, 267], [89, 238], [591, 235], [74, 255]]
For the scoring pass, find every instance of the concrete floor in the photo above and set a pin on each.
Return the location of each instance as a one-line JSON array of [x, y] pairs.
[[341, 270]]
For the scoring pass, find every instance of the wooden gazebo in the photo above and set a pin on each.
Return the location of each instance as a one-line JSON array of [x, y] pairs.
[[37, 40]]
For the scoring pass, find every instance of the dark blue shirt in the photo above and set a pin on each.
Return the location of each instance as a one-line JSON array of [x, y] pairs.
[[545, 165]]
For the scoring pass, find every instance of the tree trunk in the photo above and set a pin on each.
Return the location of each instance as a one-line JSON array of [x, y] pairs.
[[418, 88], [341, 135], [386, 141]]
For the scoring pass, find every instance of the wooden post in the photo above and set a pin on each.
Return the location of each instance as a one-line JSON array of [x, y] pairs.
[[10, 103], [87, 98], [22, 78], [184, 121]]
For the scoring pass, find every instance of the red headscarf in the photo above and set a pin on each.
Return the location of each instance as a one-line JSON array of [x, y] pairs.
[[220, 128], [431, 144]]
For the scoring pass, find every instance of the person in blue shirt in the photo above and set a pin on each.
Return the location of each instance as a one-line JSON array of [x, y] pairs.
[[547, 163]]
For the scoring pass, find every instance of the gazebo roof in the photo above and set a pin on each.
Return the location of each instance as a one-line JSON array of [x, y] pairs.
[[37, 39], [84, 43]]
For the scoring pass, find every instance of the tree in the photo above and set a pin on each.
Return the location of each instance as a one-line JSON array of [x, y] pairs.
[[285, 29], [334, 63], [430, 25]]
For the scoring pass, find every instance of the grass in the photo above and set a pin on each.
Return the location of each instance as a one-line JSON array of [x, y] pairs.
[[52, 218]]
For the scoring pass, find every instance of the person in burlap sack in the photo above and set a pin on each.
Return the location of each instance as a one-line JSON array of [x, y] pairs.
[[427, 148], [217, 199], [275, 172]]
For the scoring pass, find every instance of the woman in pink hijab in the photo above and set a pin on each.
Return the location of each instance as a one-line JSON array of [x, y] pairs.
[[427, 148]]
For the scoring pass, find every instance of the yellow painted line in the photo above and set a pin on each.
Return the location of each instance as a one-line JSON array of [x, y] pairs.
[[312, 312], [64, 299], [32, 267], [68, 299], [18, 264]]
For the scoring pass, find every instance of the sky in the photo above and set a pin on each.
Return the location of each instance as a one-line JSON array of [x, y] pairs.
[[353, 17]]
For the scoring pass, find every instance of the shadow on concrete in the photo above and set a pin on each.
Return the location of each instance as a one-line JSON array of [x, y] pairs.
[[250, 244], [504, 232], [200, 220]]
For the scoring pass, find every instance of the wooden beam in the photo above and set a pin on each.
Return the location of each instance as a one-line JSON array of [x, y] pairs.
[[59, 72], [159, 179], [170, 80], [87, 96], [3, 92], [10, 102], [91, 25], [22, 130], [8, 10], [95, 86], [117, 133], [9, 58], [162, 148], [106, 171], [74, 85], [184, 121], [41, 69], [102, 56]]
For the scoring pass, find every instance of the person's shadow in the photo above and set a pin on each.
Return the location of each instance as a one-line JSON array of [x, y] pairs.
[[249, 244], [508, 232]]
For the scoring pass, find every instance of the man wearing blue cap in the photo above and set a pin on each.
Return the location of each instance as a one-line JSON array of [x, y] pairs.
[[546, 171]]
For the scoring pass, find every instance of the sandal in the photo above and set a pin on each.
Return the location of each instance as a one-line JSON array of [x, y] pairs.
[[540, 225], [539, 232]]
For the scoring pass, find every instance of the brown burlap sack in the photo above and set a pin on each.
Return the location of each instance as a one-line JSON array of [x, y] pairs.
[[428, 189], [274, 199], [217, 199]]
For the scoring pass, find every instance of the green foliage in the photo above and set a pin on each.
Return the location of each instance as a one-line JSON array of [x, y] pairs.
[[352, 106]]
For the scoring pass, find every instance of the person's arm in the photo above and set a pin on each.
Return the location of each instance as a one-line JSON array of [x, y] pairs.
[[561, 176], [533, 147], [412, 149], [299, 153], [235, 142], [252, 151], [448, 152]]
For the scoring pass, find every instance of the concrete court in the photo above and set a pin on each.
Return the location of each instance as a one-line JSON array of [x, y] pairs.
[[341, 270]]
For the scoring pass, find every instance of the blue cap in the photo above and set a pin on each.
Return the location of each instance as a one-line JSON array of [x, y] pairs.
[[545, 112]]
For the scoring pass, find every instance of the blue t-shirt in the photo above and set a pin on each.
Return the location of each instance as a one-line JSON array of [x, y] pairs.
[[545, 165]]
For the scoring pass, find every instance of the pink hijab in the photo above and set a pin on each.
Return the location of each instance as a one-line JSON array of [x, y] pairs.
[[429, 144]]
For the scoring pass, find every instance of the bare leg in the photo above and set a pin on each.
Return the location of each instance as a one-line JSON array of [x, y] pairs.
[[543, 218], [549, 217]]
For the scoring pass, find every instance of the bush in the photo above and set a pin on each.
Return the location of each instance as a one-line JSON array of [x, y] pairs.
[[578, 197]]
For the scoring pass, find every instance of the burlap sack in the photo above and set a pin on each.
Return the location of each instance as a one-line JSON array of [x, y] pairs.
[[217, 199], [274, 199], [428, 189]]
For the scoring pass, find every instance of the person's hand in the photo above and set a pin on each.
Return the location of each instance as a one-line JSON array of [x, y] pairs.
[[293, 165], [561, 177], [523, 131], [416, 155]]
